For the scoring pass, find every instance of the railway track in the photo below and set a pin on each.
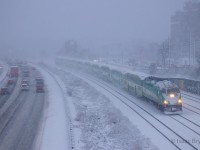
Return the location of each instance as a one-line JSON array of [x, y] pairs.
[[191, 103], [196, 112], [187, 124], [156, 122], [191, 98]]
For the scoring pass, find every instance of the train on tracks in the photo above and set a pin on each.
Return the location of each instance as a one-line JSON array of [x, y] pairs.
[[164, 93]]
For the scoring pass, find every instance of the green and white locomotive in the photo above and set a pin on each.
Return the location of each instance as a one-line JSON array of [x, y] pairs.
[[161, 91], [165, 94]]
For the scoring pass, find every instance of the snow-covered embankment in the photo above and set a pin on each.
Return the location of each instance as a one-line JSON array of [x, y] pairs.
[[54, 131]]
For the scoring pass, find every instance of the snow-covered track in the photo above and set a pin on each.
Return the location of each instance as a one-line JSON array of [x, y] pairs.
[[147, 118], [192, 106], [191, 103], [156, 122], [192, 110], [191, 97], [187, 123]]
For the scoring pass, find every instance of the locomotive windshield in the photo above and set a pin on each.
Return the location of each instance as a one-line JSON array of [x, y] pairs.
[[172, 92]]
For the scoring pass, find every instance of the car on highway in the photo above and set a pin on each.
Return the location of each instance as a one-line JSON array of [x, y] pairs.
[[24, 81], [24, 87], [4, 91], [39, 88], [39, 85], [11, 81]]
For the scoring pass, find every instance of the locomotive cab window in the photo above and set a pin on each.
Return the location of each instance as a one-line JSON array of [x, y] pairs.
[[174, 91]]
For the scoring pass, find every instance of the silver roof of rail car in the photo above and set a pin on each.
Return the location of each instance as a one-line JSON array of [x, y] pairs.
[[123, 70]]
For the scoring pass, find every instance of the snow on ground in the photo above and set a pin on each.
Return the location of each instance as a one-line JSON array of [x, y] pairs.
[[97, 123], [54, 133]]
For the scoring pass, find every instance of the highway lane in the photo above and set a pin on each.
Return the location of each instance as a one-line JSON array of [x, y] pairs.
[[4, 98], [19, 124]]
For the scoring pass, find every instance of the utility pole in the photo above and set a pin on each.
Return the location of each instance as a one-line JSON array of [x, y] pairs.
[[194, 51], [190, 44], [169, 42], [122, 55]]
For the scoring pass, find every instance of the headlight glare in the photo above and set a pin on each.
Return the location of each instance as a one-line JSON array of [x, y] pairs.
[[180, 101], [166, 102]]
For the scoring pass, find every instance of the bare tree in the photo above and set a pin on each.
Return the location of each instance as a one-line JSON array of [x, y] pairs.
[[164, 52], [198, 62], [152, 68]]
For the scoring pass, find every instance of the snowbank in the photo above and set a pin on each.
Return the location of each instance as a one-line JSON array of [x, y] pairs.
[[53, 135]]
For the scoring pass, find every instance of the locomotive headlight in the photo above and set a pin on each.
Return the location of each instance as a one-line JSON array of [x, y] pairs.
[[166, 102], [180, 101], [172, 95]]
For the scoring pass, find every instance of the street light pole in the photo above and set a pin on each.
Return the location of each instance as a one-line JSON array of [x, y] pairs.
[[190, 48]]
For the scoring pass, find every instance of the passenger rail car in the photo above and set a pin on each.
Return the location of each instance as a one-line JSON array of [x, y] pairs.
[[116, 77], [134, 84]]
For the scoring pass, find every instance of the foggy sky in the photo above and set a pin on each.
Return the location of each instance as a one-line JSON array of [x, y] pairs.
[[46, 24]]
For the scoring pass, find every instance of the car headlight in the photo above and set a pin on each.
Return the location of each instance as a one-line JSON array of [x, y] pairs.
[[166, 102]]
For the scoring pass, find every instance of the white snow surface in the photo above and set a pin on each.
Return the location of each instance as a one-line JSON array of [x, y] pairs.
[[54, 131], [97, 123], [144, 128], [98, 119], [165, 84]]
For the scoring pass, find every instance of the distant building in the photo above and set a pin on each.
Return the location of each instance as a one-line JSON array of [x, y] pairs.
[[185, 32]]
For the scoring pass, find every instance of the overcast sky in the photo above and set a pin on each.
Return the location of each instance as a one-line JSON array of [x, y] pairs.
[[46, 24]]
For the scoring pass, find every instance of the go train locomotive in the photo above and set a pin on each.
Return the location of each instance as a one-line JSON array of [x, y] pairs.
[[161, 91]]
